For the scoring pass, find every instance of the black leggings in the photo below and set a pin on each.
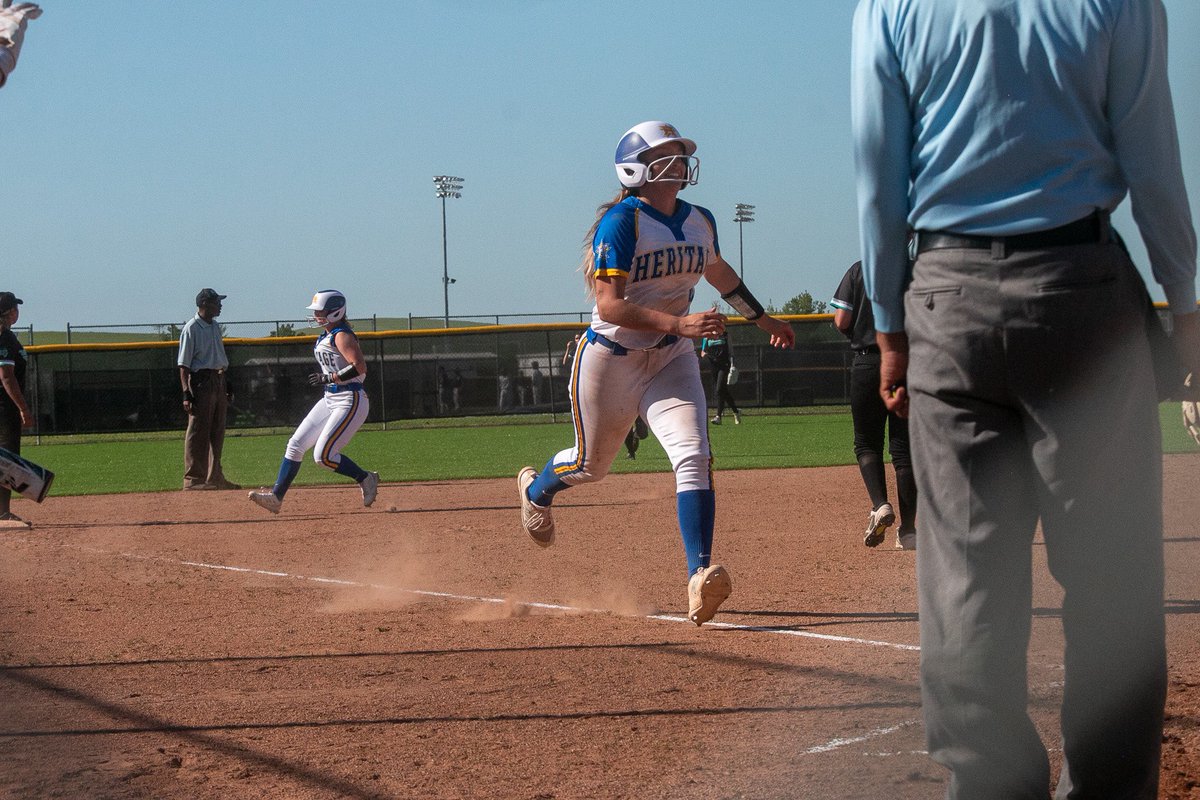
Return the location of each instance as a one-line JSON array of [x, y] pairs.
[[721, 392], [871, 417], [10, 439]]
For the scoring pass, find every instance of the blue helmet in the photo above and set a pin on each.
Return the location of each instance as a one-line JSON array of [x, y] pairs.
[[645, 136]]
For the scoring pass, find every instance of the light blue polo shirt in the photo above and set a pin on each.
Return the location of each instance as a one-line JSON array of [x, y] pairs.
[[999, 117]]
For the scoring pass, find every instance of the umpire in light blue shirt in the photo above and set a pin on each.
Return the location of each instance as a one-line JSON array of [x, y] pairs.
[[206, 395], [1003, 132]]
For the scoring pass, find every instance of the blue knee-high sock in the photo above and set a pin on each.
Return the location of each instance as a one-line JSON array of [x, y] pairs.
[[545, 486], [287, 474], [697, 513], [350, 469]]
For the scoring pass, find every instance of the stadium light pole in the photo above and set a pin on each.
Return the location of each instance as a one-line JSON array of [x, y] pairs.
[[446, 186], [742, 213]]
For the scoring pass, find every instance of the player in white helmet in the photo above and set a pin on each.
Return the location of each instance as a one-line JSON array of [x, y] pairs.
[[336, 417], [13, 21], [644, 256]]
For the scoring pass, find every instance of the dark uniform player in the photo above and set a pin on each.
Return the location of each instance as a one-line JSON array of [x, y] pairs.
[[633, 439], [720, 357], [853, 317], [14, 411]]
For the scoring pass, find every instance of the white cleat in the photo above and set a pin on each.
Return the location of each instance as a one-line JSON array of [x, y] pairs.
[[266, 499], [906, 540], [707, 589], [537, 520], [370, 488], [10, 521], [878, 521]]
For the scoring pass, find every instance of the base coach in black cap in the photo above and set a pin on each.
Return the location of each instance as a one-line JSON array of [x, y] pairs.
[[14, 411]]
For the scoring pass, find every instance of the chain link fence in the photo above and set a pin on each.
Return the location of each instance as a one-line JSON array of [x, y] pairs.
[[414, 373]]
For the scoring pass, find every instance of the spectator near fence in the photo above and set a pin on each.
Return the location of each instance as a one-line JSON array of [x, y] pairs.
[[206, 395], [1004, 133], [504, 392], [443, 390], [537, 381]]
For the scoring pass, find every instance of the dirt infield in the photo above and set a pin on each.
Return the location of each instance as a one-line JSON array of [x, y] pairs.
[[190, 645]]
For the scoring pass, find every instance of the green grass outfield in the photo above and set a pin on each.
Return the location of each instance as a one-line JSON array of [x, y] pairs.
[[456, 449]]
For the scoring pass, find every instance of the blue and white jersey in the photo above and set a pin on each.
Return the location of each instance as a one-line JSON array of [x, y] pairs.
[[661, 257], [328, 356]]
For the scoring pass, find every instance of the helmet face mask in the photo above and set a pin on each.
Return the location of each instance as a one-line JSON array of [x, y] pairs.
[[643, 137], [331, 304]]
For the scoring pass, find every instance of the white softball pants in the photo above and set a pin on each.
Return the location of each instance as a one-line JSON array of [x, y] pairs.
[[609, 391], [329, 426]]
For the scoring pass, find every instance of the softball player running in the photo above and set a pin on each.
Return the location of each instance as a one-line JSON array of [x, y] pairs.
[[644, 257], [336, 416]]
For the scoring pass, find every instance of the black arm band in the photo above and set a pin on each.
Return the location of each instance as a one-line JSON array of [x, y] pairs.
[[743, 302], [347, 372]]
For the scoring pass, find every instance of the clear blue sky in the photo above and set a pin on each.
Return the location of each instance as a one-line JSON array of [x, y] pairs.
[[269, 149]]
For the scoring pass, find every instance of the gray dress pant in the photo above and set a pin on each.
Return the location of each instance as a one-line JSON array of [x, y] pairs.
[[1032, 398]]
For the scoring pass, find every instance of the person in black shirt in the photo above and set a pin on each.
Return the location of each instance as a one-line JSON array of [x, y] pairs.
[[853, 317], [14, 411]]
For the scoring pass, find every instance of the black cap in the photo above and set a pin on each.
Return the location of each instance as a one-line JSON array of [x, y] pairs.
[[207, 295], [9, 301]]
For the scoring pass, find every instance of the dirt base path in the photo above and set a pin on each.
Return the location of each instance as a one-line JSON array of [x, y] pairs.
[[191, 645]]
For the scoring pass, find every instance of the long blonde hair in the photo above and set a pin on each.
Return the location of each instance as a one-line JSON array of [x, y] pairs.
[[588, 265]]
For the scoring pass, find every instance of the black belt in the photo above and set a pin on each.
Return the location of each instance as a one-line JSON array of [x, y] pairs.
[[619, 349], [206, 371], [1091, 229], [866, 351]]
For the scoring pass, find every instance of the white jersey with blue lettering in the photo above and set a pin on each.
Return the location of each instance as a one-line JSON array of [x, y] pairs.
[[327, 354], [337, 415], [661, 257]]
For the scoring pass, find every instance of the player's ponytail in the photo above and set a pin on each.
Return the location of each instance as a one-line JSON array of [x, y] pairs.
[[588, 265]]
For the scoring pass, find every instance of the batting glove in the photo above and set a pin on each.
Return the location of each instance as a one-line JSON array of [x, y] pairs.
[[317, 379], [12, 33]]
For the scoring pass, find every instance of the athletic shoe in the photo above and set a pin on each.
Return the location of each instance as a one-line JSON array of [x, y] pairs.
[[906, 540], [224, 484], [199, 487], [536, 520], [737, 419], [267, 500], [9, 520], [370, 488], [707, 589], [878, 521], [716, 420]]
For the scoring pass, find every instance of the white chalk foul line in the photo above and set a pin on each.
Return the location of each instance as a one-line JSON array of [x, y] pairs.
[[831, 745], [527, 603], [835, 744]]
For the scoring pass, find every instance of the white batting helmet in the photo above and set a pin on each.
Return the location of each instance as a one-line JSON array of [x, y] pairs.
[[645, 136], [332, 302]]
